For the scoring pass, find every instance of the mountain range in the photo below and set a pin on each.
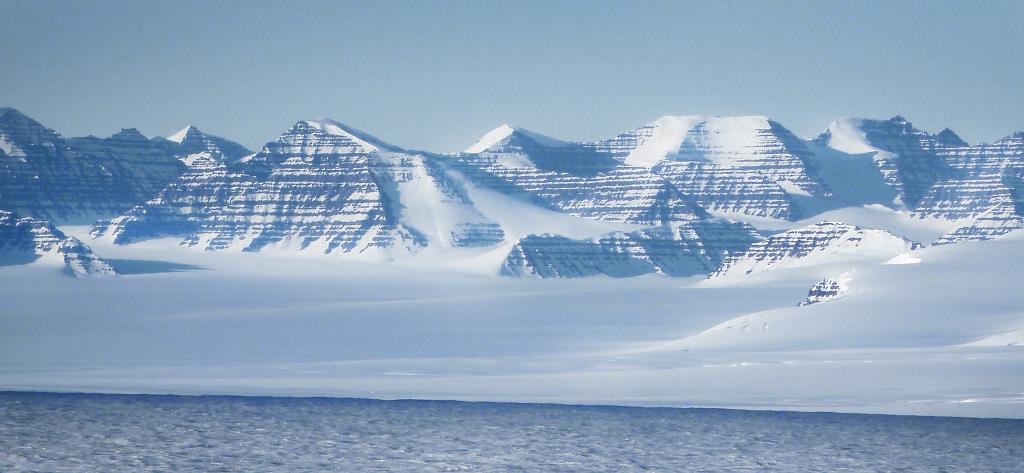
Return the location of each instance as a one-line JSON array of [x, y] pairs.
[[681, 196]]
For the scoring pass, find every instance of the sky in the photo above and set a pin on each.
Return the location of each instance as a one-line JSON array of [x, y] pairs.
[[436, 75]]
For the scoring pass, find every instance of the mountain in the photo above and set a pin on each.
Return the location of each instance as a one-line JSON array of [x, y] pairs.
[[998, 171], [964, 198], [325, 187], [321, 186], [994, 223], [189, 141], [1004, 156], [78, 180], [824, 291], [941, 177], [949, 138], [25, 240], [686, 249], [738, 165], [814, 244], [907, 157], [729, 191], [573, 178]]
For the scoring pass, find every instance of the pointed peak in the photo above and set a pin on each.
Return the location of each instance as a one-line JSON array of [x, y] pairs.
[[190, 140], [505, 132], [4, 111], [333, 127], [12, 115], [180, 135], [492, 138], [950, 138]]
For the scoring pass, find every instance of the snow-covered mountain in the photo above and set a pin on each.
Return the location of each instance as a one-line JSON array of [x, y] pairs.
[[686, 249], [189, 141], [321, 186], [25, 239], [937, 176], [995, 222], [823, 291], [81, 179], [907, 157], [573, 178], [740, 165], [815, 244]]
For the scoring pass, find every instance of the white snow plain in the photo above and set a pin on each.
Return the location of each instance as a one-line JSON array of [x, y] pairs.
[[941, 336]]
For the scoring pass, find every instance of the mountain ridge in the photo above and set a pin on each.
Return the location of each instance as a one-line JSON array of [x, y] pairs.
[[328, 187]]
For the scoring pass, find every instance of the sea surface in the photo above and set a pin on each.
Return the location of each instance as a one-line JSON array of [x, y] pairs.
[[110, 433]]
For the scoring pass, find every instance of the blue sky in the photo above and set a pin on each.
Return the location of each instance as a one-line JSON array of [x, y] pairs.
[[436, 74]]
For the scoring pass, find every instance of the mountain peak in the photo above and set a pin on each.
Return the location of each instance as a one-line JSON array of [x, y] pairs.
[[502, 134], [180, 135], [14, 117], [949, 137], [129, 134], [5, 111], [191, 140], [366, 140], [491, 138]]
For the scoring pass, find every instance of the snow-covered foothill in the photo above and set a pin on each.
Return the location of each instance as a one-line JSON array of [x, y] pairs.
[[25, 240], [820, 243]]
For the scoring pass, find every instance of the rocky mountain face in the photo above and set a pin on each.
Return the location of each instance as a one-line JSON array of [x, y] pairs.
[[996, 222], [25, 239], [729, 191], [937, 176], [989, 187], [739, 165], [675, 250], [907, 157], [964, 198], [320, 186], [78, 180], [815, 243], [189, 141], [823, 291], [328, 188], [573, 178]]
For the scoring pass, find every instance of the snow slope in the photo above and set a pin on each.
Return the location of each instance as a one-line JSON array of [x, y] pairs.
[[245, 323], [892, 328], [824, 242], [952, 295]]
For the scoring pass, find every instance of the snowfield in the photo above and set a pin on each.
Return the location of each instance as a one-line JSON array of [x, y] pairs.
[[851, 274], [939, 334]]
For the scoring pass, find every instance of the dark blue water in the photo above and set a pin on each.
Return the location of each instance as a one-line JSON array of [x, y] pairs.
[[100, 433]]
